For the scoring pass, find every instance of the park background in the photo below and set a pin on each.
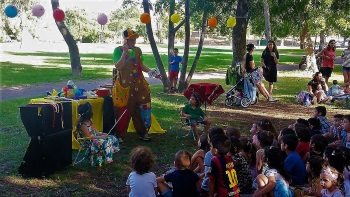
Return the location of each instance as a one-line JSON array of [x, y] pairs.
[[45, 61]]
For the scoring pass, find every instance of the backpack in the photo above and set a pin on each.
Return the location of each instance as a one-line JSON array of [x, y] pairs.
[[304, 98]]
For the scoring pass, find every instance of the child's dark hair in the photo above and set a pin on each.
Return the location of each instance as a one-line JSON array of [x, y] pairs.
[[274, 160], [235, 145], [291, 141], [215, 131], [334, 157], [205, 146], [304, 134], [141, 159], [335, 82], [287, 131], [182, 159], [303, 121], [248, 148], [340, 116], [176, 49], [197, 98], [267, 125], [265, 138], [85, 113], [315, 123], [318, 142], [315, 164], [322, 110], [231, 131], [221, 143], [346, 156], [346, 117]]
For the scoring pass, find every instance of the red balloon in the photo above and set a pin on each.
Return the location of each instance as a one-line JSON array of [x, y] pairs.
[[58, 15]]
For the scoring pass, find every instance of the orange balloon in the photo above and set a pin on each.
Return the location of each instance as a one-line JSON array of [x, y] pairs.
[[212, 22], [145, 18]]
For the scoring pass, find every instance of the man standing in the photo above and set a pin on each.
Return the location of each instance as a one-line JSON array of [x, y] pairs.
[[131, 93]]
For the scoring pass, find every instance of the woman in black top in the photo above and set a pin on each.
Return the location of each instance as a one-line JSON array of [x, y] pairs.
[[249, 68], [269, 61]]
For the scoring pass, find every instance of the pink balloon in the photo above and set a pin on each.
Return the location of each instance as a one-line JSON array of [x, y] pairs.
[[38, 10], [58, 15], [102, 19]]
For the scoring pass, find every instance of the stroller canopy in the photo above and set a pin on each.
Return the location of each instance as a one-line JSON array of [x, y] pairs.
[[207, 92]]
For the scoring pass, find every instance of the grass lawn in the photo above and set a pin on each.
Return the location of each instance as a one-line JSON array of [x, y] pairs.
[[83, 180], [25, 74]]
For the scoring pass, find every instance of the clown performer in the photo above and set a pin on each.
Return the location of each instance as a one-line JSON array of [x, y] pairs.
[[131, 93]]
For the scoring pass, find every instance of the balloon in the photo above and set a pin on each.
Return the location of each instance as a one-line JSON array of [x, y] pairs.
[[102, 19], [231, 22], [58, 15], [38, 10], [212, 22], [175, 18], [145, 18], [11, 11]]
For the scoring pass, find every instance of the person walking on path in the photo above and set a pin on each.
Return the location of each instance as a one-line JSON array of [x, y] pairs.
[[328, 58], [269, 60], [131, 93], [346, 65]]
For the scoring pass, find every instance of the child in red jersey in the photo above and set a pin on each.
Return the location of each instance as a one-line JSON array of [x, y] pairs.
[[222, 175]]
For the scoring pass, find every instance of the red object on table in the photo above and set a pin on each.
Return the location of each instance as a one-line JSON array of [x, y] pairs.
[[208, 92], [102, 92]]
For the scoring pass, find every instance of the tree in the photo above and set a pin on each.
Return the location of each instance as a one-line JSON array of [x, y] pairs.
[[124, 18], [13, 27], [267, 20], [72, 44]]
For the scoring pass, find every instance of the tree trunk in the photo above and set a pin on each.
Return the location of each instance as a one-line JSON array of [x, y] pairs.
[[239, 32], [303, 33], [182, 83], [171, 36], [322, 37], [199, 49], [165, 80], [267, 21], [72, 44]]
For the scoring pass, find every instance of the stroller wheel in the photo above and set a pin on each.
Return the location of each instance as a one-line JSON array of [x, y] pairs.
[[245, 102], [229, 102]]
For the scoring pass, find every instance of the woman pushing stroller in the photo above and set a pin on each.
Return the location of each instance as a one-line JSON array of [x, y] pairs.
[[257, 76]]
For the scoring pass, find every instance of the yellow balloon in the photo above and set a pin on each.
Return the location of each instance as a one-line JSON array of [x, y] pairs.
[[175, 18], [231, 22]]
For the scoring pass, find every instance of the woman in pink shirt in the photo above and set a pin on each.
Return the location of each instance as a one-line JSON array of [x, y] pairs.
[[328, 57]]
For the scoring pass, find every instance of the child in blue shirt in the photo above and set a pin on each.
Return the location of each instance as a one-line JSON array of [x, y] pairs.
[[174, 69], [293, 164]]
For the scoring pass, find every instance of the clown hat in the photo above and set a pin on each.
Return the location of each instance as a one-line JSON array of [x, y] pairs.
[[128, 33]]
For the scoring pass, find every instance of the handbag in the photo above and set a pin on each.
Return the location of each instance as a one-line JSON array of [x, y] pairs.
[[120, 94]]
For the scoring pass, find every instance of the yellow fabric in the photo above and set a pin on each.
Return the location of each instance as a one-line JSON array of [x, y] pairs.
[[97, 109], [155, 126]]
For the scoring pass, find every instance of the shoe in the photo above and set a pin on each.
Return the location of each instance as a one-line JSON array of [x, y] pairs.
[[271, 99]]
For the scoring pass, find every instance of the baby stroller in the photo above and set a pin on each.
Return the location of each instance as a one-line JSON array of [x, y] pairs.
[[244, 91]]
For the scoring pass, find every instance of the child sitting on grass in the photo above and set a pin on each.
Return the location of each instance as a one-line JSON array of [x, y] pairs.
[[141, 181], [222, 174], [195, 114], [274, 182], [293, 164], [182, 179]]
